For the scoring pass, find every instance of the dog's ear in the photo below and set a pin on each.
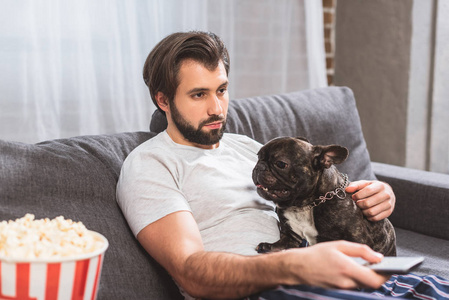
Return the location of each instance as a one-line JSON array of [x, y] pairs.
[[326, 156]]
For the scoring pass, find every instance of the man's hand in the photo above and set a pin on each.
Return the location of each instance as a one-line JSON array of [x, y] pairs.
[[376, 199], [329, 265]]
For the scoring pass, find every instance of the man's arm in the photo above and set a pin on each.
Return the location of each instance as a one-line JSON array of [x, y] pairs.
[[376, 199], [175, 242]]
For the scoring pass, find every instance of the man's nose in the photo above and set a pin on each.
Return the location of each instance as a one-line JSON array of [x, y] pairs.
[[215, 107]]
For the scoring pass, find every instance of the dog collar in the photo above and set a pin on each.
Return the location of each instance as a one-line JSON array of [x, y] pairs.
[[339, 192]]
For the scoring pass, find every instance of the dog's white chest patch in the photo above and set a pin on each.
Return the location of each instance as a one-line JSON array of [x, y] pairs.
[[302, 223]]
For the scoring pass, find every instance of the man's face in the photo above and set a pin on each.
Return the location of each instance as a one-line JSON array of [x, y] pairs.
[[199, 109]]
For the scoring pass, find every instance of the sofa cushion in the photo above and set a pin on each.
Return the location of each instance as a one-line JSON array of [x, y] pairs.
[[324, 116], [434, 250], [76, 178]]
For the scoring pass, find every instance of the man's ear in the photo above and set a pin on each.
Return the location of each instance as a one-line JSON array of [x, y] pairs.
[[162, 101], [326, 156]]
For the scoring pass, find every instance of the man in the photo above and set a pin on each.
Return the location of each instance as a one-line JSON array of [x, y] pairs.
[[188, 195]]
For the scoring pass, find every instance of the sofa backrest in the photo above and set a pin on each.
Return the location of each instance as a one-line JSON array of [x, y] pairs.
[[324, 116], [76, 177]]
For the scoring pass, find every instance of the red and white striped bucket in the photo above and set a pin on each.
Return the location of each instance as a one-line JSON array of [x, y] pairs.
[[72, 278]]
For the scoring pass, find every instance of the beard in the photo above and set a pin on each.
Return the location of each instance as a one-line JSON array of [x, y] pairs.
[[197, 135]]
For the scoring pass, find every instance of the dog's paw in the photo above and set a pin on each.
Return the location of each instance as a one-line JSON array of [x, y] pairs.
[[264, 248]]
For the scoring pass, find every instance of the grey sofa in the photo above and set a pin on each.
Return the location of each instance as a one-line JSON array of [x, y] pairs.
[[76, 177]]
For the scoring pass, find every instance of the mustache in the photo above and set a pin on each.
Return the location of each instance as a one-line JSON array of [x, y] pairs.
[[213, 118]]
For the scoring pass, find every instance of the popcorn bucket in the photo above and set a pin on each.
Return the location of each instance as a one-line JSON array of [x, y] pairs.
[[72, 278]]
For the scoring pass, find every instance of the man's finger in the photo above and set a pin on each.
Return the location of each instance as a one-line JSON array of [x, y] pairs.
[[371, 189], [359, 250], [364, 276], [357, 185]]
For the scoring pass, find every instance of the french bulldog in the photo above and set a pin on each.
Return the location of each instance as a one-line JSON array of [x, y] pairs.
[[309, 193]]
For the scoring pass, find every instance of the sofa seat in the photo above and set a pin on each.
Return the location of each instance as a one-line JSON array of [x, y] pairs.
[[434, 250]]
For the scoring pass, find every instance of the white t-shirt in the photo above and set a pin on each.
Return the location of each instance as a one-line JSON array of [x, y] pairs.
[[160, 177]]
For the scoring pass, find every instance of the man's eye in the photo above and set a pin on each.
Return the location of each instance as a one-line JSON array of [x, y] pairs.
[[281, 164], [198, 95], [222, 91]]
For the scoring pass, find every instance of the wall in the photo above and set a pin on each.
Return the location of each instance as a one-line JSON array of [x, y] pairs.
[[395, 57], [329, 7], [372, 56]]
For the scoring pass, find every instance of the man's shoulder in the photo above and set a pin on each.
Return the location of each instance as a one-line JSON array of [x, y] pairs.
[[239, 140], [155, 146]]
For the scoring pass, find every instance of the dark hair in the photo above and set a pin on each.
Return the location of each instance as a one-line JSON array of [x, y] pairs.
[[161, 68]]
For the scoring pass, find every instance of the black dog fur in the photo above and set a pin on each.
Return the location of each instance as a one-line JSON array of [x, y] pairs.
[[294, 174]]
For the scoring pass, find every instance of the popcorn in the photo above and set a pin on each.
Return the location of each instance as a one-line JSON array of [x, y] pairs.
[[27, 238]]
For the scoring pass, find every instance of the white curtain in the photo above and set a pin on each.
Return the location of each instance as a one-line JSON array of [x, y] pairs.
[[439, 135], [74, 67], [428, 107]]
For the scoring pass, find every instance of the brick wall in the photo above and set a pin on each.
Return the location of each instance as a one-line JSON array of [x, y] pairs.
[[329, 37]]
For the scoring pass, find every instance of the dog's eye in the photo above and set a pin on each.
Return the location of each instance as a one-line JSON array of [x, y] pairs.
[[281, 164]]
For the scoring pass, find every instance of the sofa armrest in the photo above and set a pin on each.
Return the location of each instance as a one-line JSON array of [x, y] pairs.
[[422, 199]]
